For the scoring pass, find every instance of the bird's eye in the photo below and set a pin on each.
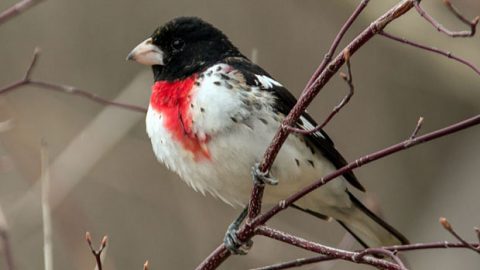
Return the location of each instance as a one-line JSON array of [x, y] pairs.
[[178, 44]]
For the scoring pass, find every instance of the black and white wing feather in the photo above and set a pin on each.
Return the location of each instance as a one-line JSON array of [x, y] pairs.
[[256, 76]]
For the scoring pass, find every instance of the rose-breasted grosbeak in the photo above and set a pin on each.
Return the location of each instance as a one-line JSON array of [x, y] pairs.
[[213, 112]]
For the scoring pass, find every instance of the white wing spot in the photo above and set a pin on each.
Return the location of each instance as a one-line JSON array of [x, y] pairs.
[[308, 126], [267, 82]]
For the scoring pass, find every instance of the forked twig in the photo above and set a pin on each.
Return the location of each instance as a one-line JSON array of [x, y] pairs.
[[351, 89], [98, 252], [468, 33], [67, 89], [447, 226]]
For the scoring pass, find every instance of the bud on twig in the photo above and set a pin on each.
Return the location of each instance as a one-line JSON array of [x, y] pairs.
[[104, 242], [445, 224], [88, 237]]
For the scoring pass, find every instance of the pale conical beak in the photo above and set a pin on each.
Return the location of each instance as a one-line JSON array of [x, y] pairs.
[[146, 53]]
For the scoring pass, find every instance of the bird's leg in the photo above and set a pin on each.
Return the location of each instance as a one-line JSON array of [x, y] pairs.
[[261, 178], [231, 241]]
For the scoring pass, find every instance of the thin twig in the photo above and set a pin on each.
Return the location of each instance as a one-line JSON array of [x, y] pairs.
[[431, 49], [46, 211], [351, 89], [328, 56], [382, 252], [98, 252], [417, 128], [477, 231], [67, 89], [398, 248], [447, 226], [295, 263], [16, 9], [6, 245], [355, 257], [441, 28]]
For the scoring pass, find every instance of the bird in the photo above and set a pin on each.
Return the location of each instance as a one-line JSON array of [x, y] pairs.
[[213, 112]]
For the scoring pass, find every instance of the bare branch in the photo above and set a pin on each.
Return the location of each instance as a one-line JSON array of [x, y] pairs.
[[441, 28], [431, 49], [382, 252], [473, 121], [447, 226], [355, 257], [460, 16], [349, 80], [328, 56], [28, 73], [398, 248], [98, 252], [17, 9], [296, 263], [63, 88]]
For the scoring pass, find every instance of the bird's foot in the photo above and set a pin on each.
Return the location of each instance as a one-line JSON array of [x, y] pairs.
[[261, 178], [231, 241]]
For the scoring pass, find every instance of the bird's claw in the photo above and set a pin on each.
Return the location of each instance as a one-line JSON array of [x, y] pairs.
[[231, 241], [234, 245], [262, 178]]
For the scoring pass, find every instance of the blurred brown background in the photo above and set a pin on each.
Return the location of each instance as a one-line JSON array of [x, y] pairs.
[[106, 180]]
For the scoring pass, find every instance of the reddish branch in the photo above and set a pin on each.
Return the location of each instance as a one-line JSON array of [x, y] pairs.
[[447, 226], [472, 24], [355, 257], [97, 253], [17, 9], [358, 255], [394, 249], [67, 89], [432, 49]]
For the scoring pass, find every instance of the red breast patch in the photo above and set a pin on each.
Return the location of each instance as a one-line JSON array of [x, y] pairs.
[[172, 100]]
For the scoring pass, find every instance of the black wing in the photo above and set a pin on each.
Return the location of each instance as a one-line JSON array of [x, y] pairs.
[[285, 102]]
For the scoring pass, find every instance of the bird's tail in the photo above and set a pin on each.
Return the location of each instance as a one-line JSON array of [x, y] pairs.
[[369, 229]]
